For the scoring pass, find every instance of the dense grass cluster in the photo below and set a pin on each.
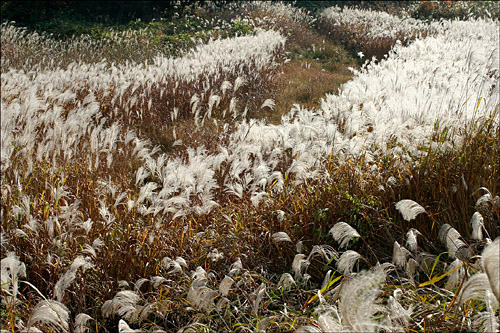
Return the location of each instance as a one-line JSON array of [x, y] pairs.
[[147, 188]]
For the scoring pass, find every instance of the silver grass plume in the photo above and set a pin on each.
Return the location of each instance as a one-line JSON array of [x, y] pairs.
[[176, 266], [491, 263], [326, 279], [225, 86], [456, 276], [138, 284], [141, 312], [399, 255], [346, 262], [52, 313], [358, 301], [397, 312], [324, 251], [411, 267], [411, 239], [286, 282], [11, 269], [299, 265], [281, 237], [124, 328], [81, 321], [199, 295], [68, 277], [240, 81], [269, 103], [157, 281], [451, 238], [225, 285], [409, 209], [235, 268], [343, 233], [487, 320], [484, 199], [215, 255], [475, 288], [477, 224], [329, 320], [123, 304]]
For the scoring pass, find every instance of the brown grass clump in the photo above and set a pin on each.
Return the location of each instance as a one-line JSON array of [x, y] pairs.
[[305, 82]]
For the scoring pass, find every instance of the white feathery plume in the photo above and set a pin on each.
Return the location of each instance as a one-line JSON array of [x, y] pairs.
[[329, 323], [411, 267], [411, 239], [68, 277], [181, 261], [451, 237], [225, 86], [475, 288], [346, 262], [215, 255], [257, 197], [484, 199], [281, 215], [169, 263], [325, 251], [477, 223], [199, 276], [157, 281], [4, 240], [123, 284], [409, 209], [87, 249], [299, 265], [491, 265], [87, 225], [124, 328], [138, 284], [286, 281], [343, 233], [487, 320], [299, 246], [123, 304], [81, 322], [225, 285], [456, 276], [281, 237], [399, 255], [358, 301], [397, 312], [235, 268], [52, 313], [240, 81], [269, 103], [11, 269], [201, 296]]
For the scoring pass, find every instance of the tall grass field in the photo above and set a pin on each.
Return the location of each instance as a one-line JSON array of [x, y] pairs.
[[254, 167]]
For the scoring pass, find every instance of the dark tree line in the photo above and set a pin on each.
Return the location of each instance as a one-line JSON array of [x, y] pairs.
[[30, 13]]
